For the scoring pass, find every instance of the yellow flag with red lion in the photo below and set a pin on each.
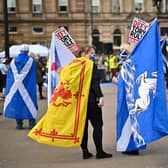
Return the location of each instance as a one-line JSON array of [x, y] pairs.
[[63, 124]]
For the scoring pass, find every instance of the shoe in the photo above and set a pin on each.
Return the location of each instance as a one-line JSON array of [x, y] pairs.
[[19, 127], [87, 154], [135, 152], [103, 155], [32, 123], [31, 126]]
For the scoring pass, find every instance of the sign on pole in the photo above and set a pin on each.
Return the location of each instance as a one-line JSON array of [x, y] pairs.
[[66, 39], [138, 29]]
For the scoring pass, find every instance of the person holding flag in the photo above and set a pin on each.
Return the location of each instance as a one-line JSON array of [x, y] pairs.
[[21, 97], [64, 123], [142, 115], [94, 112], [125, 51]]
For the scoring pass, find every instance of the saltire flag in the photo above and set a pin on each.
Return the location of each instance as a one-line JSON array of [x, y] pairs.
[[59, 56], [164, 51], [122, 57], [63, 124], [142, 115], [21, 97]]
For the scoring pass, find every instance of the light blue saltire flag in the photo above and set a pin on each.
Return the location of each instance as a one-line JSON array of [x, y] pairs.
[[164, 51], [21, 95], [142, 115], [59, 56]]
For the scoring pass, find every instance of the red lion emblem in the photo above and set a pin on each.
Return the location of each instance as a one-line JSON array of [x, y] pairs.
[[63, 92]]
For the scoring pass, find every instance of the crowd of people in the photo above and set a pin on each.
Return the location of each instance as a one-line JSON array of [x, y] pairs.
[[27, 70], [94, 112], [108, 66]]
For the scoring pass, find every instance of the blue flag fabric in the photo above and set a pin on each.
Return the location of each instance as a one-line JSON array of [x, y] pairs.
[[164, 54], [142, 115], [21, 96], [163, 48]]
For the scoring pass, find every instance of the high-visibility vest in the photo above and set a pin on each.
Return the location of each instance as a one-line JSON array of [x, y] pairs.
[[106, 61], [113, 62], [47, 64]]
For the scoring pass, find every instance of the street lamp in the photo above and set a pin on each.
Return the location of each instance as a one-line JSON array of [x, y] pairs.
[[6, 35], [157, 3], [91, 20]]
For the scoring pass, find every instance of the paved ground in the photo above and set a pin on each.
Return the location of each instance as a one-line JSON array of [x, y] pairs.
[[18, 151]]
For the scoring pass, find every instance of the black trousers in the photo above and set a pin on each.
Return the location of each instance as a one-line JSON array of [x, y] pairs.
[[40, 85], [94, 114], [1, 82]]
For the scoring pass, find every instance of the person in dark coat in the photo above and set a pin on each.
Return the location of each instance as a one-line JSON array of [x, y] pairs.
[[94, 113], [1, 84], [3, 73], [39, 74]]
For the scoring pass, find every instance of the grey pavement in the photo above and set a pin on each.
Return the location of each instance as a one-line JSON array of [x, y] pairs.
[[19, 151]]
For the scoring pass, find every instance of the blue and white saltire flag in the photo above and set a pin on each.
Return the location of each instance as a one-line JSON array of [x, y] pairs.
[[142, 115], [59, 56], [164, 51], [21, 95]]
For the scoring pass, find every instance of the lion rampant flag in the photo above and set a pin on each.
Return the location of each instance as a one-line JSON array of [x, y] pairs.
[[63, 124]]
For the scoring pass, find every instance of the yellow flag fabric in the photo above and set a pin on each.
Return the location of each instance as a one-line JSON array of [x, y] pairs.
[[63, 124]]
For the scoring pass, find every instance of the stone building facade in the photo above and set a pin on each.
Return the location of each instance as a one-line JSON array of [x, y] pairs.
[[33, 21]]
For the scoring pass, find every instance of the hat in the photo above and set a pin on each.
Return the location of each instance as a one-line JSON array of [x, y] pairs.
[[24, 48], [123, 54]]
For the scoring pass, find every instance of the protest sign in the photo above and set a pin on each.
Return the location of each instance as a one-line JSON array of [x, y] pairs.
[[138, 29], [66, 39]]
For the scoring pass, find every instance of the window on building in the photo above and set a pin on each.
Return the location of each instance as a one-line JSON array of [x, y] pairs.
[[34, 42], [117, 38], [138, 4], [42, 43], [116, 6], [95, 36], [164, 31], [37, 30], [63, 5], [164, 6], [11, 5], [95, 8], [12, 29], [96, 41], [37, 6]]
